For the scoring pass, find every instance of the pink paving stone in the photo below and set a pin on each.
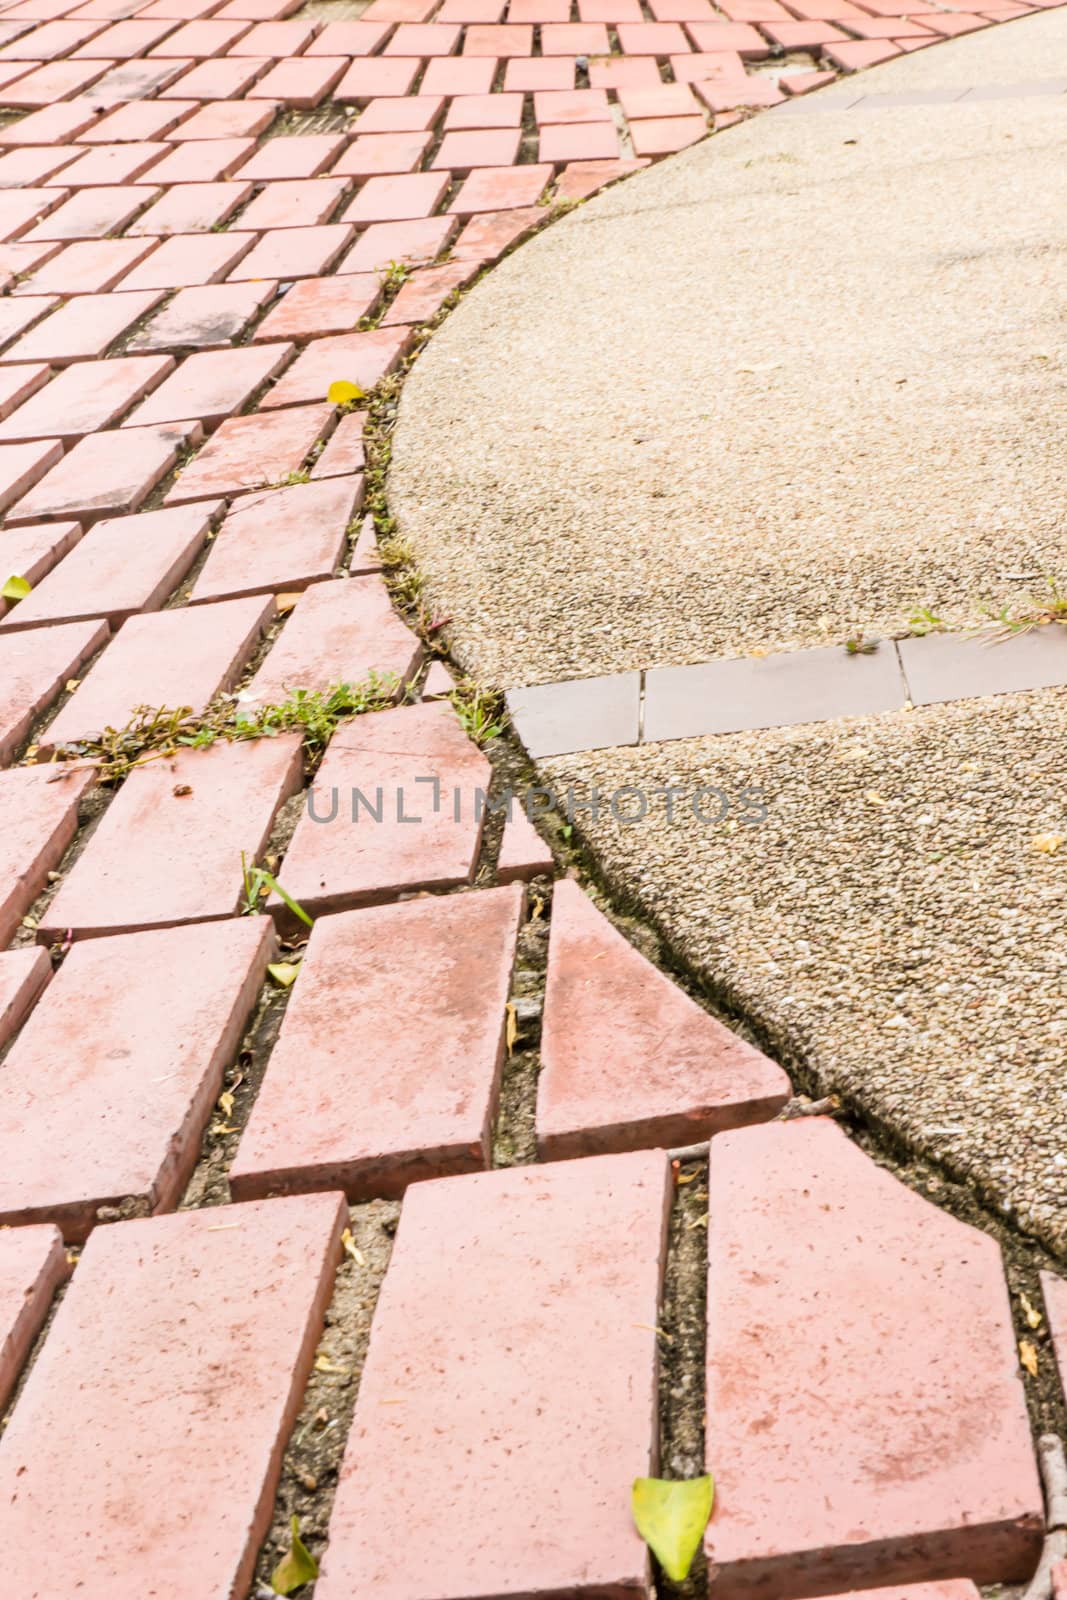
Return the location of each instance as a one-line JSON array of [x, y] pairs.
[[344, 456], [287, 253], [545, 1285], [202, 161], [86, 396], [111, 163], [652, 38], [208, 318], [949, 1589], [226, 119], [18, 258], [106, 473], [950, 27], [484, 111], [501, 189], [374, 153], [425, 292], [38, 819], [161, 858], [202, 39], [32, 551], [803, 35], [33, 670], [498, 41], [539, 11], [375, 76], [627, 1058], [56, 80], [296, 156], [400, 10], [321, 305], [663, 100], [251, 452], [415, 114], [385, 242], [191, 208], [624, 70], [157, 1017], [574, 39], [163, 660], [804, 82], [1054, 1290], [523, 852], [182, 1350], [910, 1416], [574, 105], [538, 72], [613, 11], [211, 384], [122, 566], [438, 684], [259, 10], [280, 540], [861, 53], [711, 37], [341, 631], [133, 80], [661, 136], [190, 259], [397, 199], [278, 39], [91, 213], [126, 39], [83, 329], [464, 75], [351, 38], [753, 10], [727, 95], [19, 383], [89, 266], [218, 80], [882, 28], [21, 208], [721, 66], [490, 147], [360, 358], [23, 465], [51, 40], [301, 81], [33, 1264], [380, 992], [23, 975], [28, 167], [334, 865], [578, 142], [423, 39], [365, 557], [299, 203], [827, 10], [137, 120]]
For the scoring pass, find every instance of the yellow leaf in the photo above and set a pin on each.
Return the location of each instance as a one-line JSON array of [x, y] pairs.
[[1030, 1312], [225, 1104], [671, 1518], [1047, 843], [324, 1364], [284, 972], [1028, 1356], [285, 602], [295, 1568], [350, 1248], [15, 589], [71, 684], [512, 1027], [342, 393]]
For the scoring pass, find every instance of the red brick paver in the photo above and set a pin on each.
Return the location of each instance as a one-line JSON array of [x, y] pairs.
[[32, 1266], [38, 819], [34, 669], [280, 540]]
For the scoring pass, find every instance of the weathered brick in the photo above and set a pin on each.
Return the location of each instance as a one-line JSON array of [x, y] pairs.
[[425, 292], [224, 79], [111, 163], [360, 358], [158, 1017], [38, 819], [190, 208], [55, 124], [332, 865], [349, 38], [661, 136], [280, 540], [21, 208], [34, 666], [373, 77], [32, 551], [579, 179], [181, 1349], [226, 119], [202, 161], [288, 253], [501, 189], [17, 384], [106, 473], [375, 154], [82, 329], [134, 80], [484, 111], [295, 156], [380, 992], [33, 1264], [910, 1417], [571, 105], [189, 260], [344, 453], [339, 632], [17, 314], [627, 1058], [86, 396], [252, 452], [275, 38], [122, 566], [529, 74], [486, 147], [297, 203], [486, 237], [22, 465], [321, 305], [498, 41], [168, 848], [202, 39], [424, 39], [88, 267], [212, 384], [526, 1392], [385, 242], [56, 80], [163, 660], [451, 76], [23, 976], [413, 114], [594, 141], [619, 72], [397, 199], [302, 81], [90, 213], [28, 167], [209, 317], [137, 120], [523, 852]]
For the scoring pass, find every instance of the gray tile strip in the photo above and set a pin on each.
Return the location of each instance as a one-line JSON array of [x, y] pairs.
[[748, 693], [810, 104], [776, 691], [558, 719]]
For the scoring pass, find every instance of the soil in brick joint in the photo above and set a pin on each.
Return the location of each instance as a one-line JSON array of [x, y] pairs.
[[682, 1327]]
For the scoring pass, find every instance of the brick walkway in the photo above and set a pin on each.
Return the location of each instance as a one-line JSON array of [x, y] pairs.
[[204, 206]]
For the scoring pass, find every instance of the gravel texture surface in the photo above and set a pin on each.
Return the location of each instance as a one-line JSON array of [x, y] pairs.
[[894, 927], [790, 385]]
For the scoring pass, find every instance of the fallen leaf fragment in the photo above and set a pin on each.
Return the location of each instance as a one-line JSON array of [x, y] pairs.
[[297, 1567], [284, 972], [348, 1244], [15, 588], [1030, 1312], [1047, 843], [1028, 1356], [512, 1032], [342, 393], [671, 1518]]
